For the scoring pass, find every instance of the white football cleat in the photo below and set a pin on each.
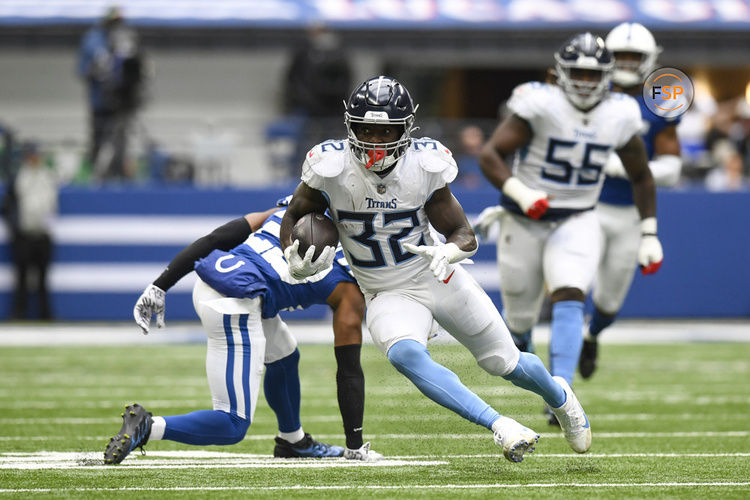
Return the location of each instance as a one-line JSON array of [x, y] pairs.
[[573, 420], [514, 438], [365, 454]]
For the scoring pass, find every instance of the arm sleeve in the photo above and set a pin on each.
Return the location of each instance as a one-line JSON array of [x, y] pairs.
[[224, 237]]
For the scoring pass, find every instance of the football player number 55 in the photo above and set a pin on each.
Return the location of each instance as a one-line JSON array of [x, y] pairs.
[[588, 173]]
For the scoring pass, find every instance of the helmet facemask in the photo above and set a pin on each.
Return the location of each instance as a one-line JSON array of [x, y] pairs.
[[630, 71], [583, 93], [375, 156]]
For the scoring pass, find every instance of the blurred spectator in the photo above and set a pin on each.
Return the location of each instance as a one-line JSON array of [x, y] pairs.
[[317, 79], [29, 208], [111, 63], [728, 175], [471, 142]]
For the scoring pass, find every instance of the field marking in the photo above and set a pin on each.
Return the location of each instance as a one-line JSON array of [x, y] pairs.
[[189, 460], [389, 487], [262, 437], [200, 459]]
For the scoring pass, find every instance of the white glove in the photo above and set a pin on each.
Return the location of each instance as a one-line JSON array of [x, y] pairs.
[[533, 202], [650, 253], [440, 256], [304, 267], [614, 167], [488, 218], [149, 303]]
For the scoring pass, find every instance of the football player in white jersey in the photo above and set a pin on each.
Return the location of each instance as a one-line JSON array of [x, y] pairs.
[[383, 189], [635, 52], [561, 135]]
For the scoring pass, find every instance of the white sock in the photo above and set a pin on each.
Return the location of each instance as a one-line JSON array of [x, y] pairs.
[[292, 437], [158, 426], [500, 422]]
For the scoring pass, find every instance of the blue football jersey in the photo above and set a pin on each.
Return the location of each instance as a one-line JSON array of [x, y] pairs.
[[256, 268], [616, 190]]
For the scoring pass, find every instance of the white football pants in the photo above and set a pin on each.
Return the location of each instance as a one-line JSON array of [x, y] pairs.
[[239, 342], [621, 238], [530, 253], [460, 306]]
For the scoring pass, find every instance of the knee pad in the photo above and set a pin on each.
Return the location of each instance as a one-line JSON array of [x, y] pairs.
[[519, 323], [497, 364]]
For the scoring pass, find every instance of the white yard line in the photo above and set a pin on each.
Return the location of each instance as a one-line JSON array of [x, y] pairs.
[[389, 487]]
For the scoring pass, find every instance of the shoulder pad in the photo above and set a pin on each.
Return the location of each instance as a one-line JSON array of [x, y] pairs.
[[529, 99], [434, 157], [325, 158]]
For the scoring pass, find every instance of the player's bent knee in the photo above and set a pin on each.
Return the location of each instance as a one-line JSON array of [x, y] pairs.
[[518, 323], [237, 430], [498, 364], [405, 353]]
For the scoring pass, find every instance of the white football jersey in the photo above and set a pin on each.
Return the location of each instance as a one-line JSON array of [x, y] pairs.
[[375, 216], [569, 147]]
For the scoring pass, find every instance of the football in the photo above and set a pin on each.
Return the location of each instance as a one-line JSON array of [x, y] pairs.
[[315, 229]]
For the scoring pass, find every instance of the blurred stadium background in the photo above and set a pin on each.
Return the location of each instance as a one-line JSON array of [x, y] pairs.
[[219, 134]]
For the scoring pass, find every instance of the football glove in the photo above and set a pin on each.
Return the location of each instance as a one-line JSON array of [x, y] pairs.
[[151, 301], [304, 267], [533, 202], [650, 253], [487, 218], [440, 256]]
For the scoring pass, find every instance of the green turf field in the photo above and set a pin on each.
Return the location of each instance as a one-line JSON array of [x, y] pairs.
[[668, 422]]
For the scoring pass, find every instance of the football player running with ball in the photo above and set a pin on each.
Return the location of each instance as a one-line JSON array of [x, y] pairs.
[[562, 135], [383, 189], [635, 52]]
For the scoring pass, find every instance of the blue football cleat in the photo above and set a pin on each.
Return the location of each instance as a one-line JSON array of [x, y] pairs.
[[306, 447]]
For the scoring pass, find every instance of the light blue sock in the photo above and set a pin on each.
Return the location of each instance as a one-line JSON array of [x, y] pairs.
[[206, 427], [566, 338], [281, 388], [599, 322], [530, 374], [439, 383]]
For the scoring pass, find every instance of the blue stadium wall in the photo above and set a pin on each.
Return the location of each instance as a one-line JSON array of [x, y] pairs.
[[112, 242]]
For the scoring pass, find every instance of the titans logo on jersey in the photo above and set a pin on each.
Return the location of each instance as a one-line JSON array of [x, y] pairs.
[[257, 268], [569, 147], [616, 190], [375, 216]]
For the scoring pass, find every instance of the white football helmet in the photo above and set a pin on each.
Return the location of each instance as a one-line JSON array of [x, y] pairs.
[[632, 37]]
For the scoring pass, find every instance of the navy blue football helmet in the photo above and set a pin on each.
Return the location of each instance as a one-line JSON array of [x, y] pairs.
[[379, 101], [584, 70]]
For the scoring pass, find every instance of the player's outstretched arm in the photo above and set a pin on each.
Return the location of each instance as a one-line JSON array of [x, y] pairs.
[[225, 237], [511, 134], [634, 159]]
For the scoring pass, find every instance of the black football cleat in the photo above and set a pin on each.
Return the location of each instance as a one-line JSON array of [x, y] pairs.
[[551, 417], [587, 361], [307, 447], [136, 427]]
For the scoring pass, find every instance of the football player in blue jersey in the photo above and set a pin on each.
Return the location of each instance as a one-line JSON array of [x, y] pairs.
[[562, 135], [243, 283], [635, 52], [386, 191]]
